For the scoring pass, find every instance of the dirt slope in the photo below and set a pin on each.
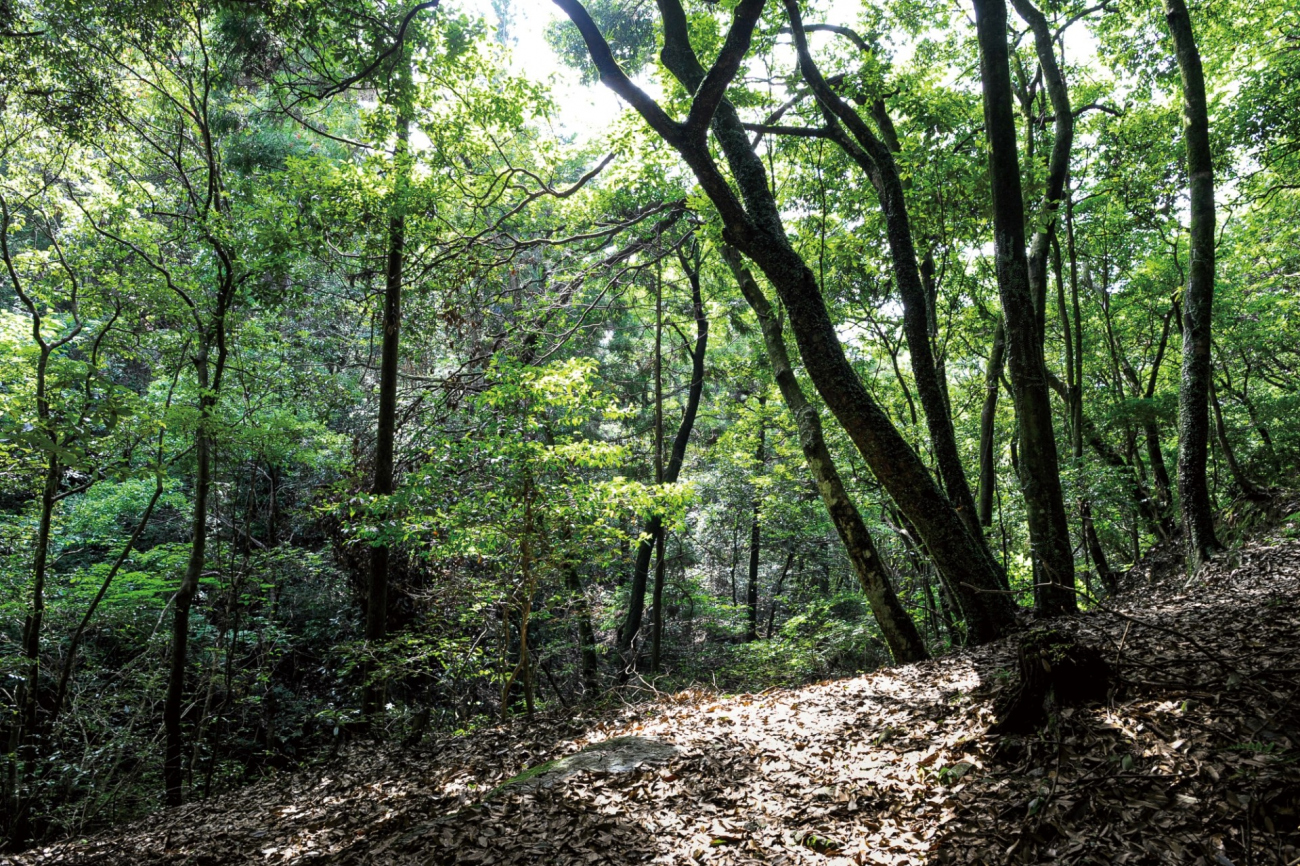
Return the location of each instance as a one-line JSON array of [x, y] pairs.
[[1193, 760]]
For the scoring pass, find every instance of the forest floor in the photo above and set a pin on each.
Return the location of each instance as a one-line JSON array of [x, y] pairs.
[[1194, 759]]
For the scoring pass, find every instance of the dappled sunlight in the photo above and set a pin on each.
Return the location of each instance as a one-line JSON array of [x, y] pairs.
[[893, 767]]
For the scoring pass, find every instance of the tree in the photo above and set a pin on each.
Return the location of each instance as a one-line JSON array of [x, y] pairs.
[[752, 224], [872, 571], [654, 525], [1040, 479], [1198, 299]]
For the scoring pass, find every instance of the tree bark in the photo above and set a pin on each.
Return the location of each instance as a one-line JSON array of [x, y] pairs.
[[25, 731], [874, 576], [654, 526], [876, 160], [1198, 299], [752, 223], [386, 418], [988, 424], [755, 532], [173, 769], [657, 594], [1040, 478], [1248, 488], [1058, 166]]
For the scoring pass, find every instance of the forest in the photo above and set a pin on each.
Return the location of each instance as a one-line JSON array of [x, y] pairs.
[[380, 375]]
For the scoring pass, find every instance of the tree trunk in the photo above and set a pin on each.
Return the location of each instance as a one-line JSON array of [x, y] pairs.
[[386, 419], [523, 668], [1107, 577], [988, 424], [70, 658], [755, 532], [873, 574], [876, 160], [1058, 166], [1040, 478], [586, 634], [628, 629], [754, 226], [1248, 488], [173, 770], [1055, 673], [657, 594], [776, 592], [32, 628], [1198, 299]]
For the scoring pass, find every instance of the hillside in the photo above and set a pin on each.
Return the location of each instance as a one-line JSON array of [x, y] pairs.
[[1192, 760]]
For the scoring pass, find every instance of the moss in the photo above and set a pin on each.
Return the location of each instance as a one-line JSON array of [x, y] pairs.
[[530, 773]]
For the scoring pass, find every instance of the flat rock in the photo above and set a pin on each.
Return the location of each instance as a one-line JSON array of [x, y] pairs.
[[615, 755]]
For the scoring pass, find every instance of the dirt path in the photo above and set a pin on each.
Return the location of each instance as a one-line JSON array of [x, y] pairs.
[[1194, 760]]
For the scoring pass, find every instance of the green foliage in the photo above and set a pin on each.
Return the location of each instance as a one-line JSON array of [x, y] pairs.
[[210, 193], [832, 636], [628, 26]]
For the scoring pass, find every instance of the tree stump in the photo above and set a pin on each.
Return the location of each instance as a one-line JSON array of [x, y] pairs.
[[1054, 672]]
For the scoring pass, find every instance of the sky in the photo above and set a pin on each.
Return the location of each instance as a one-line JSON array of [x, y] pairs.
[[585, 111]]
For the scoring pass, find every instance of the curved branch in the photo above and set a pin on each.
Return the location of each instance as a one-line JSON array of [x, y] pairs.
[[343, 85]]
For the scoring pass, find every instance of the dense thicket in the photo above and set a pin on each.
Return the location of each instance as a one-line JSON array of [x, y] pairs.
[[350, 385]]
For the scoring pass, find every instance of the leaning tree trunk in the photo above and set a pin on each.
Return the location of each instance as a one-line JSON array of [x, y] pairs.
[[1198, 299], [70, 655], [753, 224], [875, 157], [899, 631], [1040, 478], [1248, 488]]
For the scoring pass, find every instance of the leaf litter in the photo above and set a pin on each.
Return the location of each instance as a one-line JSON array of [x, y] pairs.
[[1192, 760]]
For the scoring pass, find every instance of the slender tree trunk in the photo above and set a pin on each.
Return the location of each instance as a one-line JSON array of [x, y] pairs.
[[586, 634], [1040, 478], [657, 594], [1074, 400], [654, 526], [874, 576], [931, 285], [988, 424], [876, 160], [1107, 577], [1151, 430], [1058, 166], [735, 556], [173, 769], [776, 592], [1144, 503], [1076, 397], [1248, 488], [32, 627], [523, 668], [69, 660], [755, 532], [1198, 299], [386, 418]]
